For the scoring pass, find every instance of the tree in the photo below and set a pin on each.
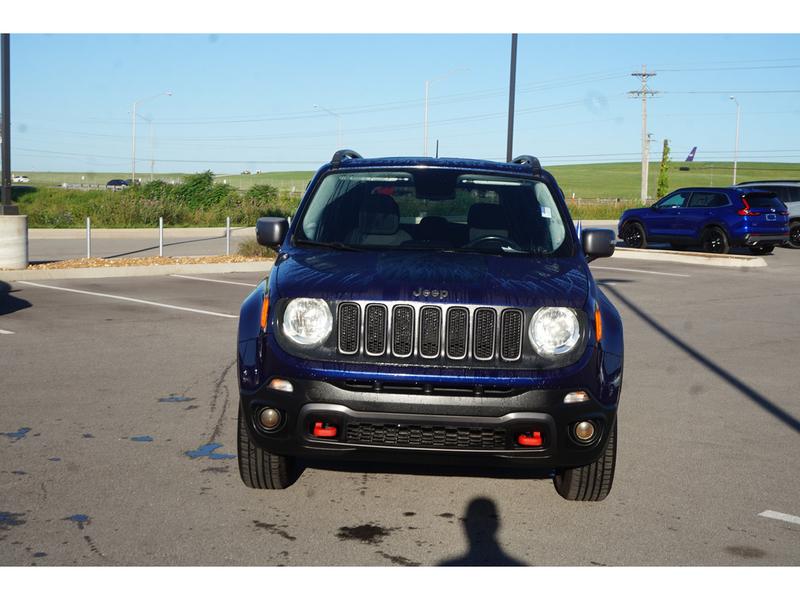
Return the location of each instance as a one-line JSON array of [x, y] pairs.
[[662, 187]]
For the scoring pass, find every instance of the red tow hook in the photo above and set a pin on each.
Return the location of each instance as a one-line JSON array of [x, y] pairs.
[[324, 430], [530, 438]]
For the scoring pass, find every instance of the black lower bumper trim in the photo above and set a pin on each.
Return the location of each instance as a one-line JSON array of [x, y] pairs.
[[401, 428]]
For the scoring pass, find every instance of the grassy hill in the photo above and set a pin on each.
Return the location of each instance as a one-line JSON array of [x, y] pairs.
[[587, 182]]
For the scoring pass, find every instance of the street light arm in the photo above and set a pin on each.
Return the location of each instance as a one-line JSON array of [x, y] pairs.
[[152, 97]]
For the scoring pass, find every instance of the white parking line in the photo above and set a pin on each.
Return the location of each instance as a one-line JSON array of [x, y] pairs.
[[642, 271], [214, 280], [771, 514], [6, 332], [137, 300]]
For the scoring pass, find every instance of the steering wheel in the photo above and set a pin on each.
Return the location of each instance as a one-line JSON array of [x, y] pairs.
[[493, 238]]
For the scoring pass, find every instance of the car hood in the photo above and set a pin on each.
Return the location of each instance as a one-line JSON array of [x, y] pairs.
[[404, 276]]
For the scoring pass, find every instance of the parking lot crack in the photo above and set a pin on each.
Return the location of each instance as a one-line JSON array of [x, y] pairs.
[[220, 391]]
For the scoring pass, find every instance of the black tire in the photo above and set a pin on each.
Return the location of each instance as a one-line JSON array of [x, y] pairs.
[[715, 241], [760, 250], [258, 468], [633, 235], [794, 235], [592, 482]]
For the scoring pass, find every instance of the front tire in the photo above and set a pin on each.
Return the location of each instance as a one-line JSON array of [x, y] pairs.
[[258, 468], [715, 241], [633, 235], [592, 482]]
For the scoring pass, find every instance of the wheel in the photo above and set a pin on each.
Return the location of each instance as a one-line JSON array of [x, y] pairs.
[[794, 235], [715, 241], [258, 468], [592, 482], [634, 236], [759, 250]]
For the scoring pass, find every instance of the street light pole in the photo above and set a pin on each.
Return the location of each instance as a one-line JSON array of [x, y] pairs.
[[511, 87], [133, 132], [338, 124], [427, 88], [736, 147]]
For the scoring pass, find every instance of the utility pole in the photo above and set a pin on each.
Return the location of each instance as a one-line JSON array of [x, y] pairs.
[[736, 148], [647, 166], [643, 93], [6, 208], [511, 85]]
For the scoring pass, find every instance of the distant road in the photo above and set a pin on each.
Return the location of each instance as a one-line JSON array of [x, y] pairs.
[[63, 244]]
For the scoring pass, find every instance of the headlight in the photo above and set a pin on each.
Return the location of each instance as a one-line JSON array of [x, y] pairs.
[[307, 321], [554, 330]]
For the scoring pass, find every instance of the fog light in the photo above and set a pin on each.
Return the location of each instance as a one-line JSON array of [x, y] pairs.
[[269, 418], [575, 397], [281, 385], [584, 431]]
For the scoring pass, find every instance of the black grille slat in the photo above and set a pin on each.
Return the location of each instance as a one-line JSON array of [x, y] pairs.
[[511, 323], [402, 331], [457, 326], [375, 329], [484, 333], [425, 436], [430, 331], [349, 326]]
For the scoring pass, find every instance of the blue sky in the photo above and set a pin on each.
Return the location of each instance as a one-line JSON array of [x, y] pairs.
[[247, 101]]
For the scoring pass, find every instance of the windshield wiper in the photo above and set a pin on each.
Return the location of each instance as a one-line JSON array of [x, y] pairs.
[[334, 245], [503, 251]]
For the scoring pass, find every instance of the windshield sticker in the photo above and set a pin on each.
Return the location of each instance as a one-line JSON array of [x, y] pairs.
[[546, 212]]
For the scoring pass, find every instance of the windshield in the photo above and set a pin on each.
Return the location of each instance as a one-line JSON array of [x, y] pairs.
[[434, 209]]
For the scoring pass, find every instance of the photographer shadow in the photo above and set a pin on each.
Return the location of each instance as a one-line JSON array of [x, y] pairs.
[[481, 524]]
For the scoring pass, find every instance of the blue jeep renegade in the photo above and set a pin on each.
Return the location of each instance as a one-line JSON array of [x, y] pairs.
[[431, 310]]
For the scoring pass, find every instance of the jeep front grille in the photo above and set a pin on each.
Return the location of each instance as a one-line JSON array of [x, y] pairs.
[[430, 332]]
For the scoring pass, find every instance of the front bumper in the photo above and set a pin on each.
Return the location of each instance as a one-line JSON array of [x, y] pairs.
[[428, 427]]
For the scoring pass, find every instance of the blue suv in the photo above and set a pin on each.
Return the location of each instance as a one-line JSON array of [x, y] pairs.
[[431, 310], [716, 219]]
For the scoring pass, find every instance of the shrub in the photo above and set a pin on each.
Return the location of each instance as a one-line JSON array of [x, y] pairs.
[[253, 248]]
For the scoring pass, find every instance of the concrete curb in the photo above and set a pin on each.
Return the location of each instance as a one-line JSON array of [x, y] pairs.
[[691, 258], [143, 271]]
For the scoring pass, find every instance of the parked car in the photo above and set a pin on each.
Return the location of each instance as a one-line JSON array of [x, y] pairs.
[[429, 310], [789, 193], [717, 219], [118, 184], [20, 179]]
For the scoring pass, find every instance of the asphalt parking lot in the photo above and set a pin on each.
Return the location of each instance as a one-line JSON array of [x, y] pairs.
[[118, 429]]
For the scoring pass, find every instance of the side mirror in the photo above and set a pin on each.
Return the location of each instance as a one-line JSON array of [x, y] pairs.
[[597, 243], [270, 231]]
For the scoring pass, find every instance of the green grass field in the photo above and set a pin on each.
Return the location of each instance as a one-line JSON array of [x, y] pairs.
[[587, 182]]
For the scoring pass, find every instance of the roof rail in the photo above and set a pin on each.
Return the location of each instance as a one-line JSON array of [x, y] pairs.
[[340, 155], [527, 159]]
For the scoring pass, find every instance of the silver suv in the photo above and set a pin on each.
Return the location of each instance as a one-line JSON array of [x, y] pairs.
[[789, 193]]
